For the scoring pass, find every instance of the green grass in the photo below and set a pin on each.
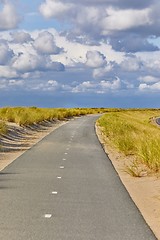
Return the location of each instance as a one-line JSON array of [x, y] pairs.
[[133, 133]]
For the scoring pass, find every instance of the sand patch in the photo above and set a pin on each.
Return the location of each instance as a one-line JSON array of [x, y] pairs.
[[145, 191]]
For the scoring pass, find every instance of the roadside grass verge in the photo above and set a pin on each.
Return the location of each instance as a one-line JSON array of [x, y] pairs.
[[24, 116], [132, 132], [29, 116]]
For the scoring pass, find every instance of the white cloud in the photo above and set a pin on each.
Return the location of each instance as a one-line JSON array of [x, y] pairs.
[[131, 63], [54, 8], [21, 37], [147, 87], [101, 87], [33, 62], [124, 19], [5, 53], [13, 82], [28, 62], [7, 72], [45, 43], [95, 59], [101, 72], [50, 85], [99, 18], [114, 85], [149, 79], [9, 17]]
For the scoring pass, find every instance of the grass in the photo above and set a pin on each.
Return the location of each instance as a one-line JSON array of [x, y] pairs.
[[132, 132], [3, 128], [25, 116], [31, 115]]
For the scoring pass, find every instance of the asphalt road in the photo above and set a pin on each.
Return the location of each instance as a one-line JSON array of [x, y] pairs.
[[65, 188]]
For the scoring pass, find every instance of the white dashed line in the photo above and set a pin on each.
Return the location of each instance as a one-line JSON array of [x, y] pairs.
[[54, 192], [66, 153], [61, 167], [48, 215], [59, 177]]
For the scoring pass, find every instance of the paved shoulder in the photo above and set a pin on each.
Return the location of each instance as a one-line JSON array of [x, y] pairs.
[[65, 188]]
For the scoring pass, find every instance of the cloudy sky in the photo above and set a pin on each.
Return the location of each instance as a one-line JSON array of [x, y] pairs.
[[87, 53]]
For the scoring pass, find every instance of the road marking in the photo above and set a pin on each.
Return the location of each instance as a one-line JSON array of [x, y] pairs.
[[59, 177], [54, 192], [48, 215], [66, 153], [64, 159], [61, 167]]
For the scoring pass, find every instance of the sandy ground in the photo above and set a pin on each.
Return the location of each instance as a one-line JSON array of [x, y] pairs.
[[145, 191]]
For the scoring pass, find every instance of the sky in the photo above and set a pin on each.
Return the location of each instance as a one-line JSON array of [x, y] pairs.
[[90, 53]]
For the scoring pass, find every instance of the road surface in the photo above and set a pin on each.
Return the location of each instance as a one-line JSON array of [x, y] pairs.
[[65, 188]]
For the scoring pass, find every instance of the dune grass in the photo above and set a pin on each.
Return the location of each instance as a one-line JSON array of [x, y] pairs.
[[3, 128], [132, 132], [24, 116]]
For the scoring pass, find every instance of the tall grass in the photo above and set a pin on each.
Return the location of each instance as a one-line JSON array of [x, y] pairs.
[[30, 115], [133, 133], [3, 128]]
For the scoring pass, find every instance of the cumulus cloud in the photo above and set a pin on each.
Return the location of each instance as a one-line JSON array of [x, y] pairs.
[[9, 17], [27, 62], [5, 53], [50, 85], [132, 43], [109, 19], [101, 87], [21, 37], [149, 79], [54, 8], [150, 87], [33, 62], [95, 59], [131, 63], [102, 71], [45, 44], [7, 72]]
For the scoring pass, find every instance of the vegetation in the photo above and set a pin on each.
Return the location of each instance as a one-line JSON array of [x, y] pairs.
[[3, 128], [24, 116], [132, 132], [31, 115]]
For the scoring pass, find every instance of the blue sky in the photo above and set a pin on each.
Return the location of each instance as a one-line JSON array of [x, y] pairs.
[[91, 53]]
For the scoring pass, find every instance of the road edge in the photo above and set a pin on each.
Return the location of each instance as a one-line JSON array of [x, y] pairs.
[[126, 180]]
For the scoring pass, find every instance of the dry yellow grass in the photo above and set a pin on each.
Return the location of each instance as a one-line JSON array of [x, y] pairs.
[[133, 133], [29, 115]]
